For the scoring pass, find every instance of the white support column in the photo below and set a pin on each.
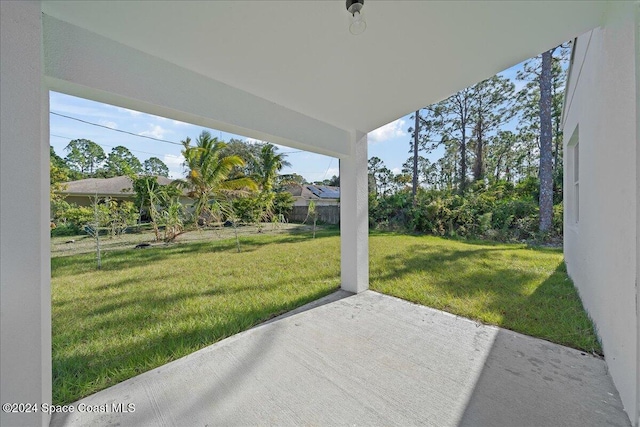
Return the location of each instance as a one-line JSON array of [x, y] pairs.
[[354, 216], [25, 296], [635, 418]]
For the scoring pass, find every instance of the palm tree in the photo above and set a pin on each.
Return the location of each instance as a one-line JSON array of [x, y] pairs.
[[208, 173], [269, 164]]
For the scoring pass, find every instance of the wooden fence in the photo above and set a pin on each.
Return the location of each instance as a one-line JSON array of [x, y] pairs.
[[326, 214]]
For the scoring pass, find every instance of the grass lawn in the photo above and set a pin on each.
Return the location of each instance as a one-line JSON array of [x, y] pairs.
[[517, 287], [150, 306], [147, 307]]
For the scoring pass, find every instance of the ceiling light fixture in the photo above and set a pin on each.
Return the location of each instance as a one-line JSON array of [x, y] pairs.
[[358, 24]]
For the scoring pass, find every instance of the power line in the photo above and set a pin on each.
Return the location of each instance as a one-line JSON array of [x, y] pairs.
[[328, 167], [135, 134], [116, 130], [110, 146]]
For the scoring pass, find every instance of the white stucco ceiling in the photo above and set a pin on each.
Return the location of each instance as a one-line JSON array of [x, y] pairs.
[[300, 54]]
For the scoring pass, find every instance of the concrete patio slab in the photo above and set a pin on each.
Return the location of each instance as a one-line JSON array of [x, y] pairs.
[[366, 359]]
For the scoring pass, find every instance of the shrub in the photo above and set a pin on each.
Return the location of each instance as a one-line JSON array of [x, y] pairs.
[[248, 209], [77, 216], [499, 211], [557, 224], [63, 230], [506, 213], [283, 203], [528, 188], [391, 210]]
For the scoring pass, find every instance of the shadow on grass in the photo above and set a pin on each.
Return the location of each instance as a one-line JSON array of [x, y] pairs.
[[76, 375], [151, 297], [119, 259], [493, 286]]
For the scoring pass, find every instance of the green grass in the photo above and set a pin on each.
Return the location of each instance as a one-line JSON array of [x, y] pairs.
[[148, 307], [517, 287]]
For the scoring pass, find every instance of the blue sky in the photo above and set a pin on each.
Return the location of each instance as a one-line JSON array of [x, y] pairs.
[[390, 142]]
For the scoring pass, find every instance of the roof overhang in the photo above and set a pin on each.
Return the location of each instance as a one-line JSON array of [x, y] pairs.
[[299, 55]]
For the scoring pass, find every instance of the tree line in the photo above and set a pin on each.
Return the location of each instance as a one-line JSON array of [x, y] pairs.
[[496, 142], [87, 159], [230, 182]]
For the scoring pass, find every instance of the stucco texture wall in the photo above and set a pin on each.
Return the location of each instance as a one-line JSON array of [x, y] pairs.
[[601, 248], [25, 298]]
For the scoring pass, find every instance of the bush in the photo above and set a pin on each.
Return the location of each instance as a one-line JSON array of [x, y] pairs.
[[557, 224], [528, 188], [507, 213], [117, 216], [283, 203], [64, 230], [391, 211], [77, 216], [248, 209], [500, 211]]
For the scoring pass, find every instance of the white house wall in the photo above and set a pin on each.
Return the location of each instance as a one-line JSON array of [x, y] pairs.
[[601, 247], [25, 298]]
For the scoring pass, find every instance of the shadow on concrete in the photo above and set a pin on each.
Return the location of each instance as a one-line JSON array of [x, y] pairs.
[[368, 359], [530, 382]]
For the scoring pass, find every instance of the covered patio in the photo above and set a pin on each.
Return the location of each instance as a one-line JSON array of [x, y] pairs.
[[288, 72], [366, 359]]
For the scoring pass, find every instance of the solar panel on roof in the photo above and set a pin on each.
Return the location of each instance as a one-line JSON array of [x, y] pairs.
[[330, 194], [314, 190], [324, 192]]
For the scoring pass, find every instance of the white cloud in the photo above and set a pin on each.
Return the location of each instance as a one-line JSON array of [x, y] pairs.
[[396, 171], [391, 130], [111, 125], [155, 131], [174, 163], [132, 112], [171, 160], [171, 121], [253, 141], [59, 106], [72, 106]]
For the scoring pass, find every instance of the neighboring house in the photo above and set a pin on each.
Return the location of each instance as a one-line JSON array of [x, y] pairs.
[[326, 199], [322, 195], [82, 191], [601, 189]]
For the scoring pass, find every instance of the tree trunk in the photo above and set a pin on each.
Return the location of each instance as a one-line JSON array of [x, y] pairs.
[[463, 161], [546, 155], [416, 132], [478, 169], [463, 143]]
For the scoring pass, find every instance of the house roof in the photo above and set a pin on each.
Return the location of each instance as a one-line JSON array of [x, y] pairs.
[[314, 192], [116, 186], [324, 191]]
